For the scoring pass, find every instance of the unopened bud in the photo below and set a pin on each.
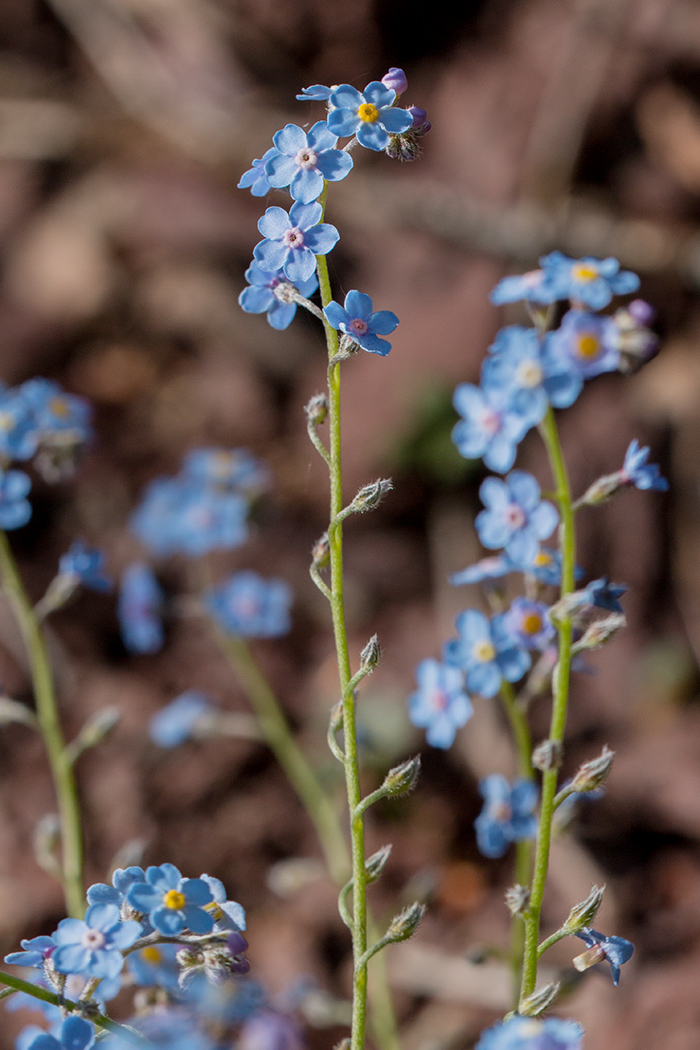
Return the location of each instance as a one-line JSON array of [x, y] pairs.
[[405, 924], [538, 1002], [402, 779], [321, 551], [344, 1044], [592, 774], [316, 409], [517, 899], [584, 913], [370, 496], [421, 125], [600, 632], [591, 957], [13, 711], [395, 79], [371, 654], [602, 490], [98, 727], [375, 864], [547, 755], [47, 843]]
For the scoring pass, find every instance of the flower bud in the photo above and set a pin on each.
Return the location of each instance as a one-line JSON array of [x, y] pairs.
[[517, 899], [584, 913], [405, 924], [316, 409], [602, 490], [547, 755], [641, 311], [13, 711], [375, 864], [396, 79], [421, 125], [371, 655], [600, 632], [321, 551], [592, 774], [402, 779], [98, 727], [538, 1002], [370, 496]]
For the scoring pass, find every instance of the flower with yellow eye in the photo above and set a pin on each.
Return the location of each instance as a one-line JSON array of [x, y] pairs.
[[171, 902], [529, 624], [369, 115]]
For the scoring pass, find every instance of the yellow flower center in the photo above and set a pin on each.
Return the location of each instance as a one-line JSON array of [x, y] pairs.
[[59, 407], [542, 558], [532, 624], [368, 112], [214, 910], [7, 421], [151, 955], [588, 346], [174, 899], [584, 272], [483, 651]]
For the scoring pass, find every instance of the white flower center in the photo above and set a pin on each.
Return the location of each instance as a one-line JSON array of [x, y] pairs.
[[93, 939], [515, 516], [293, 238], [358, 327], [306, 158], [529, 373]]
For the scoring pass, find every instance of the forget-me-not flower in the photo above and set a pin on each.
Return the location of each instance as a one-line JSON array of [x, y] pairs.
[[603, 594], [227, 468], [55, 411], [94, 946], [35, 952], [122, 879], [171, 902], [181, 515], [86, 565], [491, 426], [440, 704], [357, 321], [486, 651], [508, 814], [636, 471], [247, 605], [292, 241], [315, 93], [493, 568], [19, 432], [369, 115], [156, 964], [530, 1033], [615, 949], [515, 518], [15, 508], [260, 296], [518, 364], [585, 343], [228, 915], [139, 609], [304, 159], [75, 1034], [255, 178], [532, 287], [589, 281], [528, 621], [175, 723]]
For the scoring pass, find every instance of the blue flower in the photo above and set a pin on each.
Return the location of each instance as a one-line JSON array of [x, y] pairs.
[[360, 324], [304, 159], [36, 951], [86, 566], [440, 704], [532, 287], [261, 296], [547, 567], [603, 594], [529, 1033], [76, 1034], [250, 606], [508, 814], [528, 621], [19, 433], [636, 471], [155, 965], [368, 114], [515, 517], [292, 241], [139, 609], [486, 651], [615, 949], [493, 568], [315, 93], [395, 79], [55, 411], [228, 915], [176, 723], [94, 946], [589, 281], [171, 902], [182, 515], [491, 425], [584, 342], [534, 378], [15, 508], [122, 879], [271, 1028], [255, 178], [235, 468]]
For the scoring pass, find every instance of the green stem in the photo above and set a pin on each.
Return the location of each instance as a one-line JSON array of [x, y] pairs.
[[560, 691], [126, 1033], [520, 729], [275, 729], [50, 728]]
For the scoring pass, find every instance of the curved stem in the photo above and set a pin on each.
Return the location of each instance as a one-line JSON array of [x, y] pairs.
[[560, 690], [50, 728]]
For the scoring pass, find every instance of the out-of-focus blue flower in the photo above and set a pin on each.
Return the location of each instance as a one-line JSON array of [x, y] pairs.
[[175, 723], [603, 594], [358, 322], [440, 704], [305, 159], [122, 879], [532, 287], [508, 814], [94, 946], [171, 902], [486, 651], [585, 342], [226, 1004], [250, 606], [55, 411], [156, 964], [260, 297], [228, 915], [76, 1034], [315, 93], [28, 1035], [368, 114], [491, 426], [615, 949], [292, 241], [492, 568], [396, 80], [139, 609], [171, 1029], [515, 517], [15, 508], [530, 1033], [636, 471], [19, 433], [528, 621], [36, 951], [518, 365], [589, 281], [86, 565], [235, 468], [270, 1030], [180, 515], [255, 178], [546, 567]]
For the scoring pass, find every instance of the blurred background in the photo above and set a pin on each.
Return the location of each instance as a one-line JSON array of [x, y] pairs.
[[125, 126]]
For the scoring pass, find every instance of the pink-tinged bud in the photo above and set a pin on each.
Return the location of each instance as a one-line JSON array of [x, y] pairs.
[[642, 312], [421, 125], [396, 79]]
